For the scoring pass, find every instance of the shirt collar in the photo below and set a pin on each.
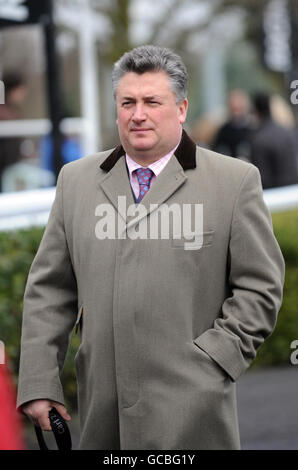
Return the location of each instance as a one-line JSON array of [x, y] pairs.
[[156, 167]]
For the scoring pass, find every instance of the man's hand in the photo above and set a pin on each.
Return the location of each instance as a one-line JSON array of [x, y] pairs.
[[38, 412]]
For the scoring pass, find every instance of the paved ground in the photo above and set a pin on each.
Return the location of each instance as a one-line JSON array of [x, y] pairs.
[[267, 410]]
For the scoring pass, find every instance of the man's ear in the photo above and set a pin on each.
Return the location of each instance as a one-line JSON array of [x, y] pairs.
[[182, 107]]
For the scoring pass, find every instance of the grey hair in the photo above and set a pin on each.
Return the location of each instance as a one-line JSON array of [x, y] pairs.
[[153, 59]]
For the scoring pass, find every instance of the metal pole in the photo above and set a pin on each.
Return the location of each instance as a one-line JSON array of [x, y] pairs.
[[214, 78], [53, 85]]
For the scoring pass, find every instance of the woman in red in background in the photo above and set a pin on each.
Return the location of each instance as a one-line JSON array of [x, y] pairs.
[[10, 423]]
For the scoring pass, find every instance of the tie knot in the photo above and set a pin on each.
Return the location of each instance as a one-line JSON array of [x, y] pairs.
[[144, 176]]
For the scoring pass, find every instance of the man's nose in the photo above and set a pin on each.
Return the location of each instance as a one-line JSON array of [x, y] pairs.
[[139, 113]]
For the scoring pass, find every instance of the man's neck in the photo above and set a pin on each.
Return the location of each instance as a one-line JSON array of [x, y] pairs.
[[145, 160]]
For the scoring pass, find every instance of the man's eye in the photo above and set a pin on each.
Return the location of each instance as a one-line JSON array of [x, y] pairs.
[[126, 103]]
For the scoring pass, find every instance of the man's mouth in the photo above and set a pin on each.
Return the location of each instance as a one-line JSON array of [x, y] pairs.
[[140, 130]]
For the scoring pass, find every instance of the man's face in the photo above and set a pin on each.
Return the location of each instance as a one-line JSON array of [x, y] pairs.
[[149, 119]]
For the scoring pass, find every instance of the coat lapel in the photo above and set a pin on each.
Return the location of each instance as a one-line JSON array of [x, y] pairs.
[[116, 183]]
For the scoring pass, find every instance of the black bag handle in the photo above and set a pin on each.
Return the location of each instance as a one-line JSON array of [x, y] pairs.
[[60, 430]]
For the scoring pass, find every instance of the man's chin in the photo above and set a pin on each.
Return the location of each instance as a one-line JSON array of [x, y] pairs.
[[142, 145]]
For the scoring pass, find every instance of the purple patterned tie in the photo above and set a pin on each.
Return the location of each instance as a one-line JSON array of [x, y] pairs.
[[144, 176]]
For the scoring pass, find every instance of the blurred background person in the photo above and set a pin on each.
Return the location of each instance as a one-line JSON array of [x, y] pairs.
[[15, 93], [11, 437], [233, 137], [27, 173], [71, 150], [281, 111], [273, 146]]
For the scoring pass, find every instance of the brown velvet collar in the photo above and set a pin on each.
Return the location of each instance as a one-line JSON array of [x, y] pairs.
[[185, 154]]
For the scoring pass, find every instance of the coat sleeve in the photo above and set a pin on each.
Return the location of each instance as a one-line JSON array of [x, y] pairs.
[[256, 277], [49, 314]]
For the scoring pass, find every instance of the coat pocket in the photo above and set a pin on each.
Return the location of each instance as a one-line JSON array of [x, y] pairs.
[[194, 242], [79, 321], [206, 357]]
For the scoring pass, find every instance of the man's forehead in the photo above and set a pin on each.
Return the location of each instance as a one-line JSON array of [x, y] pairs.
[[149, 83]]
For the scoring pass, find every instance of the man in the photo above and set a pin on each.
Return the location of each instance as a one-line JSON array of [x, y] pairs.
[[273, 147], [168, 323]]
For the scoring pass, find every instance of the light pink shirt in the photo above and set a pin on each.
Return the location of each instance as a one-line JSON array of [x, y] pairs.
[[156, 167]]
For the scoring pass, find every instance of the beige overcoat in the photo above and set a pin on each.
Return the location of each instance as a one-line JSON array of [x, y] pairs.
[[166, 330]]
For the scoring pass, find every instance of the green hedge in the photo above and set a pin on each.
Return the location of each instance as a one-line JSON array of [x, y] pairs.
[[17, 250], [276, 350]]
